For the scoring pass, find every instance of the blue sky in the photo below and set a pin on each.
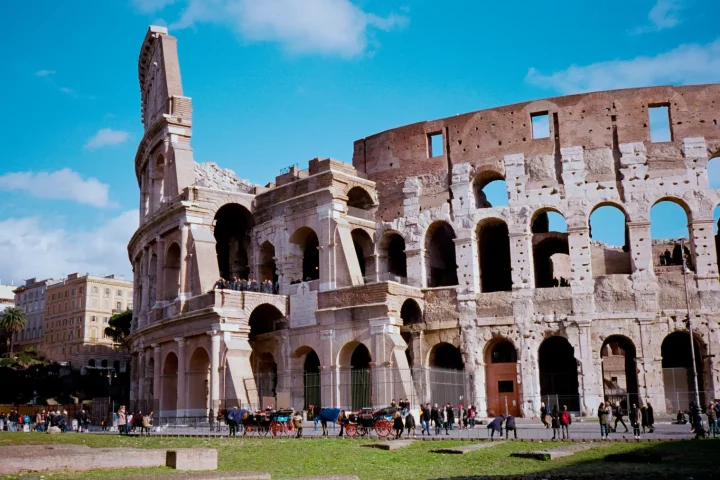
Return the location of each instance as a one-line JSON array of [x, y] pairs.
[[276, 83]]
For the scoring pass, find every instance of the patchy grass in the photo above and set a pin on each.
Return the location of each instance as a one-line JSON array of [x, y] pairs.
[[288, 458]]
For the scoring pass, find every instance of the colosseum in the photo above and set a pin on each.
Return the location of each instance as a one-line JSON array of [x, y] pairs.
[[395, 277]]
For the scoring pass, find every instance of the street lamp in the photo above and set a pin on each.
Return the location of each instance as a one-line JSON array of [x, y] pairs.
[[110, 374], [690, 330]]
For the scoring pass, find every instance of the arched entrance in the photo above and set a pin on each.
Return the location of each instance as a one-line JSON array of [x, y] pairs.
[[233, 223], [360, 378], [365, 252], [494, 252], [265, 318], [311, 379], [410, 313], [307, 251], [558, 373], [268, 269], [169, 384], [447, 374], [440, 255], [265, 372], [172, 272], [392, 254], [501, 379], [677, 371], [619, 371], [198, 383]]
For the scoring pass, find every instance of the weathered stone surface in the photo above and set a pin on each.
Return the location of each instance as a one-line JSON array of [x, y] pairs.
[[205, 476], [553, 453], [463, 449], [192, 459], [209, 175], [391, 445]]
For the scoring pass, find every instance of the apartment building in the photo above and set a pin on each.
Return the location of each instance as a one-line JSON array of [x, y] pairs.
[[31, 298], [77, 312]]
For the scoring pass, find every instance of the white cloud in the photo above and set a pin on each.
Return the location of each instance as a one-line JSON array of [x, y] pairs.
[[44, 73], [105, 137], [686, 64], [664, 14], [336, 27], [36, 247], [62, 184]]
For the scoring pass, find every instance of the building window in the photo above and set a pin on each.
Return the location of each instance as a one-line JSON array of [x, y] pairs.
[[72, 321], [120, 293], [105, 320], [107, 291], [65, 322], [81, 290], [94, 319], [129, 306], [66, 293], [95, 290], [53, 296], [73, 292], [118, 305]]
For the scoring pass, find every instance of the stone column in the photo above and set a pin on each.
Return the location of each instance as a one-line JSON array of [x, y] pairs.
[[523, 275], [328, 374], [702, 245], [183, 289], [590, 372], [140, 386], [135, 376], [157, 388], [640, 246], [581, 280], [468, 266], [144, 272], [160, 272], [529, 373], [182, 393], [651, 386], [416, 267], [214, 369]]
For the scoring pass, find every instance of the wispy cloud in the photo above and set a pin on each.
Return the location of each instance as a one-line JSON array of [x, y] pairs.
[[48, 74], [664, 14], [62, 184], [38, 247], [686, 64], [44, 73], [329, 27], [106, 137]]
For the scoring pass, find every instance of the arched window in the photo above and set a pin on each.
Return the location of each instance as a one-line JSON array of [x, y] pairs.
[[440, 255], [360, 199], [307, 251], [265, 318], [668, 229], [610, 248], [233, 224], [490, 190], [172, 272], [392, 258], [558, 373], [551, 253], [268, 269], [494, 254], [410, 312], [365, 251]]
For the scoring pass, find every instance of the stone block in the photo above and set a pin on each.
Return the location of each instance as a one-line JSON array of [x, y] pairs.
[[462, 450], [552, 453], [192, 459], [391, 445]]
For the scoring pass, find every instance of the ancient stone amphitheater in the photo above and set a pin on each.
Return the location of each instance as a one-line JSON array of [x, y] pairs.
[[398, 278]]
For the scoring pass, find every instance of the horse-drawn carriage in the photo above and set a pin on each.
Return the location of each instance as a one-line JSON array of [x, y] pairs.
[[261, 423], [255, 423], [363, 422]]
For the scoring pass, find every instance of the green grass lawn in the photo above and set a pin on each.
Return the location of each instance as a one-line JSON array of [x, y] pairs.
[[296, 458]]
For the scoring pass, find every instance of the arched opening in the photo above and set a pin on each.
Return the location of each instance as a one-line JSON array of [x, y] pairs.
[[359, 199], [116, 366], [311, 378], [501, 379], [265, 371], [668, 226], [490, 190], [103, 363], [233, 224], [619, 371], [360, 378], [268, 269], [410, 313], [169, 384], [494, 254], [365, 251], [158, 182], [551, 253], [678, 371], [91, 363], [558, 373], [392, 257], [152, 281], [716, 226], [172, 272], [713, 170], [447, 376], [610, 247], [440, 255], [265, 318], [307, 251], [198, 383], [149, 380]]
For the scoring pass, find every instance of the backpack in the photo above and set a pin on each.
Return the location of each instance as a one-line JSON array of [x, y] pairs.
[[566, 418]]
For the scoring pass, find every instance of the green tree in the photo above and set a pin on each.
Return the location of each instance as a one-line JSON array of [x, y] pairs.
[[119, 327], [13, 320]]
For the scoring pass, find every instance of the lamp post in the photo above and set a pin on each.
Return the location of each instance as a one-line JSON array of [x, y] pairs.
[[110, 374], [690, 330]]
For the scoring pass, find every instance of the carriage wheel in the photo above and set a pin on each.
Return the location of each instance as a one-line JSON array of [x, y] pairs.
[[351, 430], [362, 430], [383, 428], [289, 428], [277, 428]]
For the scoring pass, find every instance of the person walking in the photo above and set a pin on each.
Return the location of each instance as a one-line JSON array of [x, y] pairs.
[[410, 424], [603, 419], [644, 418], [450, 420], [425, 419], [398, 425], [712, 420], [146, 424], [510, 425], [555, 422], [650, 418], [444, 420], [298, 424], [471, 416], [565, 421], [435, 416], [342, 421], [544, 415], [619, 417], [122, 420], [635, 418], [496, 426]]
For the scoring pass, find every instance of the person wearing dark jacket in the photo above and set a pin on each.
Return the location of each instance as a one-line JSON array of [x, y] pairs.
[[644, 418], [425, 419], [696, 420], [635, 420], [603, 420], [450, 418], [555, 422], [544, 414], [496, 425], [435, 417], [398, 425], [619, 416], [510, 425], [650, 418], [410, 424]]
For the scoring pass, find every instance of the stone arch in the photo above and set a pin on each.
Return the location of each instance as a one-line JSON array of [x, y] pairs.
[[677, 370], [308, 358], [265, 318], [169, 382], [551, 251], [171, 272], [411, 313], [354, 357], [198, 382], [365, 251], [610, 240], [446, 373], [359, 198], [558, 367], [392, 256], [674, 226], [501, 373], [493, 239], [265, 370], [482, 180], [268, 267], [620, 381], [232, 226], [440, 260], [307, 252]]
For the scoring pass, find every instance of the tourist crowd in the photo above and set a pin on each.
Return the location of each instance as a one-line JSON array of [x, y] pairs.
[[245, 285], [128, 422]]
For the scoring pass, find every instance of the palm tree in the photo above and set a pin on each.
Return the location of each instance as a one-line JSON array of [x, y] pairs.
[[13, 320]]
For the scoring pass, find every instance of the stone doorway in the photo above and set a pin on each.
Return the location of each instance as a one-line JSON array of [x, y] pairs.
[[503, 396]]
